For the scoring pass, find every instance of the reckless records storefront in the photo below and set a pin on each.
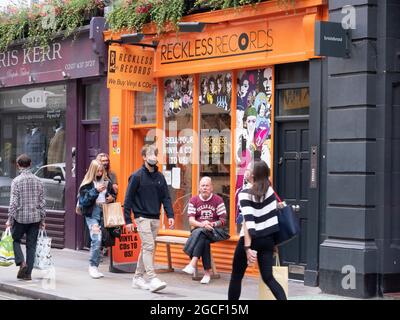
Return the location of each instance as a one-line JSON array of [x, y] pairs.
[[45, 95], [213, 106]]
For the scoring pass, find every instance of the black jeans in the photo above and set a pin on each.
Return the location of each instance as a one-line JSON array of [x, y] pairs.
[[31, 230], [264, 248], [203, 250]]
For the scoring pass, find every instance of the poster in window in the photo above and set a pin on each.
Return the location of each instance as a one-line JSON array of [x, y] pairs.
[[253, 119], [178, 95], [216, 89]]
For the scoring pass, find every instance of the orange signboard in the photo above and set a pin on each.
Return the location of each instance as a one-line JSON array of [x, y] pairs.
[[253, 43], [130, 68], [125, 253]]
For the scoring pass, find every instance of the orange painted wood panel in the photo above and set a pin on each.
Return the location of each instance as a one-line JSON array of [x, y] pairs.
[[222, 253]]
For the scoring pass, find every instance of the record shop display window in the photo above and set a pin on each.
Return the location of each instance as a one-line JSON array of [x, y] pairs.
[[215, 95], [32, 121], [178, 144]]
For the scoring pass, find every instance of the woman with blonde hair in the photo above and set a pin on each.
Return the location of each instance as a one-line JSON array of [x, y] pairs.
[[94, 191]]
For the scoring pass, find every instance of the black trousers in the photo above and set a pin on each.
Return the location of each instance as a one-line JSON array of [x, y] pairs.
[[31, 230], [264, 248], [203, 250]]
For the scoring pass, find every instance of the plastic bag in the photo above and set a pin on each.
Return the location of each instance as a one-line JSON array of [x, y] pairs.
[[6, 249], [43, 258]]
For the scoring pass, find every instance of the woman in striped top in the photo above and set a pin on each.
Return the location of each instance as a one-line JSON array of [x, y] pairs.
[[258, 206]]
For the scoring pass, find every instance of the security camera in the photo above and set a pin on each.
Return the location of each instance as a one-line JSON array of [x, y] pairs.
[[65, 75]]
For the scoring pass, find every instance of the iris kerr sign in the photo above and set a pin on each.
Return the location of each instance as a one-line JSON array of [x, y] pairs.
[[331, 40], [59, 60]]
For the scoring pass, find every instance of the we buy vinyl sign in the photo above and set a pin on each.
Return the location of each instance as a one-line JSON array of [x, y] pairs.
[[130, 68]]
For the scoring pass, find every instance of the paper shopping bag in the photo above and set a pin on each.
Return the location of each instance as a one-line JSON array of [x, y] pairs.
[[113, 215], [281, 274]]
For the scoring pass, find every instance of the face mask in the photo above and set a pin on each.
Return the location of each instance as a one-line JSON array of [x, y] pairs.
[[151, 163]]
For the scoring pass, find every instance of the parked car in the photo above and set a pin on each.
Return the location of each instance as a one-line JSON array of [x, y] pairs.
[[53, 178]]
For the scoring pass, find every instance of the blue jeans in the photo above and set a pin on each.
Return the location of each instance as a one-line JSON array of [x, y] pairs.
[[94, 226]]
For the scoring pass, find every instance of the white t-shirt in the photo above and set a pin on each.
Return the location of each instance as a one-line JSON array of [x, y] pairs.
[[102, 195]]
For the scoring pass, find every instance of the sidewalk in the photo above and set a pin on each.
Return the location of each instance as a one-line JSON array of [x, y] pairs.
[[70, 280]]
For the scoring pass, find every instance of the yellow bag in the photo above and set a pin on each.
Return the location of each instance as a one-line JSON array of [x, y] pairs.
[[113, 215], [281, 274]]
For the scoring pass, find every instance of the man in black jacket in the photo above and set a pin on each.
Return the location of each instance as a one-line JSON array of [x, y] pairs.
[[147, 190]]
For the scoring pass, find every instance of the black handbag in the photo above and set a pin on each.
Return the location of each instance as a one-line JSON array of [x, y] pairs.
[[289, 225], [108, 236], [217, 234]]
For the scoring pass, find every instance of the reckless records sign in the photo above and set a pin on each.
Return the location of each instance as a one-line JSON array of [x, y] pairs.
[[130, 68]]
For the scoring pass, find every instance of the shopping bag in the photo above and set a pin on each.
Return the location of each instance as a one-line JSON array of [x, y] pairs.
[[6, 249], [43, 258], [281, 274], [113, 215]]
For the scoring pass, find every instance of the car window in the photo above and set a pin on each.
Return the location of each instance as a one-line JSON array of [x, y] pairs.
[[53, 171], [40, 173]]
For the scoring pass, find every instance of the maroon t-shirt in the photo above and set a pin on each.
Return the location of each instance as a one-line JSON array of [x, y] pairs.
[[213, 209]]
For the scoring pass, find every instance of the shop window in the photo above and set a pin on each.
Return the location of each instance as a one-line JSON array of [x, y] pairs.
[[294, 101], [253, 122], [145, 107], [292, 73], [32, 121], [92, 101], [215, 94], [178, 144]]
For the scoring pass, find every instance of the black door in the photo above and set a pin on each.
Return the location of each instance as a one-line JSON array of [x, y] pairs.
[[292, 186]]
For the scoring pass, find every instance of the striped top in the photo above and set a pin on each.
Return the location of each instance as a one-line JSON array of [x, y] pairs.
[[261, 217]]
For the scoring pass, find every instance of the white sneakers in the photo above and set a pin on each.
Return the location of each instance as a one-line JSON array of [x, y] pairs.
[[140, 283], [206, 279], [154, 285], [94, 273], [157, 285], [189, 269]]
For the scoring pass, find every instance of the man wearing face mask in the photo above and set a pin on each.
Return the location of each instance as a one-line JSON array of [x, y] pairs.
[[147, 190], [104, 159]]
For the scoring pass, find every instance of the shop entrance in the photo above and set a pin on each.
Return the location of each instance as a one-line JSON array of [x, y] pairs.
[[293, 162]]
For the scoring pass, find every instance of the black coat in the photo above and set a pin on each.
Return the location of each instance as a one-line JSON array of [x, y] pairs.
[[145, 194]]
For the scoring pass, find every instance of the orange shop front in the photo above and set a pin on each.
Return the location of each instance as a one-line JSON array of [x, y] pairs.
[[211, 108]]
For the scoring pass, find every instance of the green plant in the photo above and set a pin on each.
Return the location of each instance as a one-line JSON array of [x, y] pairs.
[[223, 4], [133, 15], [40, 23], [171, 11]]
